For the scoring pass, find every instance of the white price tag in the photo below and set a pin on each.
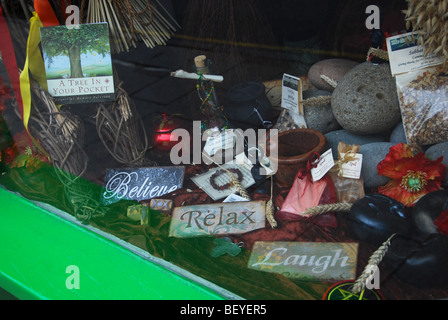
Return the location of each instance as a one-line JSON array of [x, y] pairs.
[[292, 99], [326, 162], [234, 198], [352, 169]]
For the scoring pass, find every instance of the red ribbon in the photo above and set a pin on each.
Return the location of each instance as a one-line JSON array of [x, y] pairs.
[[9, 58], [313, 160], [442, 222], [46, 13]]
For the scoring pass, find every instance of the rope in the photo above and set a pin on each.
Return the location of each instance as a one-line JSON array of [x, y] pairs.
[[317, 101], [377, 53], [321, 101]]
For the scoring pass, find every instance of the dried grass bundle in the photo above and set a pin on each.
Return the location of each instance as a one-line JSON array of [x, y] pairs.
[[131, 21], [429, 19]]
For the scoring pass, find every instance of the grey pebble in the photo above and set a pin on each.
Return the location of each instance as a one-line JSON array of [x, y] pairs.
[[365, 101], [334, 137], [319, 118], [372, 154], [439, 150]]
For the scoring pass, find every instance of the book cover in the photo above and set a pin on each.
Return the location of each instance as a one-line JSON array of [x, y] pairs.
[[78, 63]]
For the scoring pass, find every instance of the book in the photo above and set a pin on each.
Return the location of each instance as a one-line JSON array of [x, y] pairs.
[[78, 63]]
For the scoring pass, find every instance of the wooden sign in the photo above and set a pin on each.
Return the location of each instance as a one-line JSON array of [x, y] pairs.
[[141, 183], [217, 219], [324, 261]]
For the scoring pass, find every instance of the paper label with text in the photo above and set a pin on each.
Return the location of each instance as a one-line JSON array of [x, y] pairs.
[[292, 99], [326, 162], [406, 55], [352, 169]]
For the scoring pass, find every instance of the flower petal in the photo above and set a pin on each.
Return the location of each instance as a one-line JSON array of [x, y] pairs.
[[434, 169], [393, 190]]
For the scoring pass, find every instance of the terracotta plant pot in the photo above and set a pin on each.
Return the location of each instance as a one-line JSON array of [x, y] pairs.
[[294, 148]]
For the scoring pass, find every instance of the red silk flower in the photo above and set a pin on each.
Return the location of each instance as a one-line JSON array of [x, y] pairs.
[[442, 222], [411, 176]]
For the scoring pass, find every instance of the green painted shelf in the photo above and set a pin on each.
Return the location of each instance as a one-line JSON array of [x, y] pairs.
[[45, 256]]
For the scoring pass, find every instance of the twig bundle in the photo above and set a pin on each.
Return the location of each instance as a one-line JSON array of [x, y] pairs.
[[133, 20], [429, 19], [61, 135], [121, 130]]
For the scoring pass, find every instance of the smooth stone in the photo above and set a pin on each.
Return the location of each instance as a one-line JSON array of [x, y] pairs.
[[372, 154], [319, 118], [439, 150], [333, 68], [365, 101], [334, 137], [419, 262], [376, 217], [398, 134], [427, 209]]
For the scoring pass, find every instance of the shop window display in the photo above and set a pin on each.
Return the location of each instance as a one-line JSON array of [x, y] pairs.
[[259, 149]]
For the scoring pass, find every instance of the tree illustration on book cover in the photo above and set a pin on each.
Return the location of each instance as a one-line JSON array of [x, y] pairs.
[[78, 63]]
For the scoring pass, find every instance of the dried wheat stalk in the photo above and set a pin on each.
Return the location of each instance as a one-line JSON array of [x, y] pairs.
[[270, 209], [372, 265], [235, 183], [429, 19], [326, 208]]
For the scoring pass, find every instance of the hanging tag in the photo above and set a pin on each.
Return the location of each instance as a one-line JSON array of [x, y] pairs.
[[234, 198], [326, 162], [292, 99], [352, 169]]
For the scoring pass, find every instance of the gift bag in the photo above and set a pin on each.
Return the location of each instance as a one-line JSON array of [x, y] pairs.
[[347, 190], [306, 193]]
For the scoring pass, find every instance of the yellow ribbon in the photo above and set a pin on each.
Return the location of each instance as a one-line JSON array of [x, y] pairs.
[[348, 157], [34, 64]]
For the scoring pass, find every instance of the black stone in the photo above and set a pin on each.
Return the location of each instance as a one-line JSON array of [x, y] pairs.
[[376, 217]]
